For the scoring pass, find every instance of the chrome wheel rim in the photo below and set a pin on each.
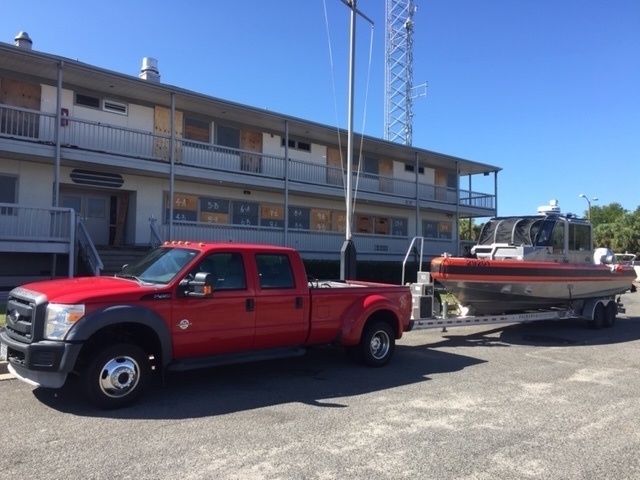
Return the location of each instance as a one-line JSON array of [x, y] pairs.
[[379, 345], [119, 377]]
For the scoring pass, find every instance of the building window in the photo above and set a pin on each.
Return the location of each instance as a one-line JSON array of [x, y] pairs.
[[8, 193], [87, 101], [197, 130], [101, 104], [371, 165], [437, 229], [297, 144], [228, 136], [411, 168]]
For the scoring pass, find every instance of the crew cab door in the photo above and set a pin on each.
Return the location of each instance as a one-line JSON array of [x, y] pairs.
[[282, 306], [223, 323]]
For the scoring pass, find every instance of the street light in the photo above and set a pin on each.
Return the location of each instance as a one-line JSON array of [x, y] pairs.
[[595, 199]]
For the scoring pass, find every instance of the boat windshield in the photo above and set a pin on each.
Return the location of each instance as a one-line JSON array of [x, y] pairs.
[[158, 266], [511, 230], [543, 236]]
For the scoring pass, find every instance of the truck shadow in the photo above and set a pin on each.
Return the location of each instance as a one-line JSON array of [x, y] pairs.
[[324, 378]]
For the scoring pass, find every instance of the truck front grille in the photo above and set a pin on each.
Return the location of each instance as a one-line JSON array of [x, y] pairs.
[[22, 315]]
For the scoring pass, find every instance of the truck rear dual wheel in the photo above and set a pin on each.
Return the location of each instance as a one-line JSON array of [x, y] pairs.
[[376, 345], [116, 376]]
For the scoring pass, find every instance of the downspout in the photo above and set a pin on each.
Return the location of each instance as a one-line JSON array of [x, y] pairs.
[[55, 200], [286, 183], [56, 175], [172, 160]]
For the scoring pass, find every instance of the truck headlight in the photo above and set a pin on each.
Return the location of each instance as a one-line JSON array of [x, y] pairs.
[[60, 318]]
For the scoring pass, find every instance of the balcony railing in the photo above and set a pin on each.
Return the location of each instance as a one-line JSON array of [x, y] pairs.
[[316, 242], [79, 134], [41, 230]]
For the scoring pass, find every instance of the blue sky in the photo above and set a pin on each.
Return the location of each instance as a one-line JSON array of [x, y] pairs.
[[548, 90]]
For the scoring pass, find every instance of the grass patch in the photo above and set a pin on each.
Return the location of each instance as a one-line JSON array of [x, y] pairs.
[[3, 311]]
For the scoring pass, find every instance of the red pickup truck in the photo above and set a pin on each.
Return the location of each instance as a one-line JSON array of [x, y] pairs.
[[190, 305]]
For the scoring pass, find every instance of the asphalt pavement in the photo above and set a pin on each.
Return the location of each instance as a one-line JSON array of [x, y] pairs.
[[546, 400]]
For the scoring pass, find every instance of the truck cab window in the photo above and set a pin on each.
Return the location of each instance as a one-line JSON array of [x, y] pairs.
[[226, 268], [274, 271]]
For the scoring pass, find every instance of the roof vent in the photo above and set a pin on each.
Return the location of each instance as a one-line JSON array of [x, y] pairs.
[[149, 70], [22, 40]]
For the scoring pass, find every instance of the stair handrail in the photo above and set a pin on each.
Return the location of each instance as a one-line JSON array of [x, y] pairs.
[[154, 236], [410, 251], [87, 248]]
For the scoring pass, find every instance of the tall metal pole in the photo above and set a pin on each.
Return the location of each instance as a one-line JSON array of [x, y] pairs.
[[348, 254], [348, 251], [286, 183], [352, 59]]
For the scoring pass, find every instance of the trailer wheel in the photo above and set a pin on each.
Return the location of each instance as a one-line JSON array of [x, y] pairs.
[[116, 376], [610, 313], [598, 317], [377, 344]]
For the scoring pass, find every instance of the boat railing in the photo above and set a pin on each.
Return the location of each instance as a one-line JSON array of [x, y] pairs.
[[626, 258]]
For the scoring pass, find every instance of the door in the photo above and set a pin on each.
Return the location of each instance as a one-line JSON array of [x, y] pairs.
[[224, 323], [94, 208], [282, 307]]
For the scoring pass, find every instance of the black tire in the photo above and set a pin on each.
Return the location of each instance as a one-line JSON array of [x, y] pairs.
[[377, 344], [610, 313], [598, 317], [116, 376]]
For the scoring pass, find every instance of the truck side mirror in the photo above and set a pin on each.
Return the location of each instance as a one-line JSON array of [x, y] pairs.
[[202, 285]]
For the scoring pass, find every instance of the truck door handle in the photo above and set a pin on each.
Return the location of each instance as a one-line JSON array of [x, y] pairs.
[[250, 304], [298, 302]]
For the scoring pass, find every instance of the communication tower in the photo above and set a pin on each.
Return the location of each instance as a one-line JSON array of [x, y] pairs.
[[399, 90]]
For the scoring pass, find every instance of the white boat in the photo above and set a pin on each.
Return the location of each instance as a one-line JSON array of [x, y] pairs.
[[532, 262]]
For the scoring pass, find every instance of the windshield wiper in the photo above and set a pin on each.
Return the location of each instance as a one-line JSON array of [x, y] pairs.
[[137, 279]]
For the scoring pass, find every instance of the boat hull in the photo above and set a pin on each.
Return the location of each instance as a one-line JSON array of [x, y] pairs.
[[504, 286]]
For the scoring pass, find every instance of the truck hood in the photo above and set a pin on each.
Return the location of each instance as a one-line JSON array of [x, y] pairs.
[[91, 289]]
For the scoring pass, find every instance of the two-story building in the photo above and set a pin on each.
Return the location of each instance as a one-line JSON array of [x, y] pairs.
[[91, 157]]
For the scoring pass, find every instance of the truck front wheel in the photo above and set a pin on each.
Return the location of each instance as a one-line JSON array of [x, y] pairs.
[[116, 376], [377, 344]]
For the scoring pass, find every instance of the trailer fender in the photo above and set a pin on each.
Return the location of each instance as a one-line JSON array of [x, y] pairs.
[[590, 306], [355, 318]]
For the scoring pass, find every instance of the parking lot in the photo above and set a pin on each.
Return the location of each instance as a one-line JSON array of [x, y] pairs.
[[542, 400]]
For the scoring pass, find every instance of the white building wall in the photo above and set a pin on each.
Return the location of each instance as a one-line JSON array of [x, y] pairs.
[[272, 145], [138, 117], [33, 180]]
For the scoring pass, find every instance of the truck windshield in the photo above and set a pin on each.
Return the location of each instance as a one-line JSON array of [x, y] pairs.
[[158, 266]]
